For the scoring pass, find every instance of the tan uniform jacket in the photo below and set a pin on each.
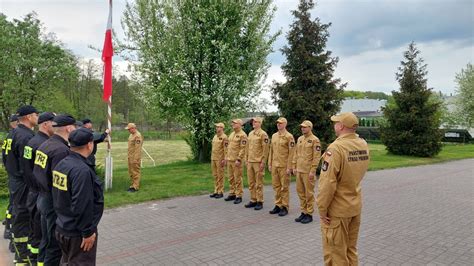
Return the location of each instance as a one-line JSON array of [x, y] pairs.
[[282, 149], [219, 147], [257, 146], [307, 155], [135, 142], [236, 146], [345, 163]]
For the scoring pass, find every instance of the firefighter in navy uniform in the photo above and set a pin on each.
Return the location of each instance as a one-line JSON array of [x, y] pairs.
[[78, 201], [98, 138], [28, 119], [45, 131], [47, 157], [9, 212]]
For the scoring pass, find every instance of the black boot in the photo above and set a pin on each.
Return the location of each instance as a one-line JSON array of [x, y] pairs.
[[213, 195], [300, 218], [283, 212], [307, 219], [218, 196], [259, 206], [275, 210], [11, 247], [230, 198], [237, 200], [7, 234], [251, 204]]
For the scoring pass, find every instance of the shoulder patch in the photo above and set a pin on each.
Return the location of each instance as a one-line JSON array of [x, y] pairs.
[[266, 140], [325, 166], [318, 148], [8, 146], [138, 141], [28, 153], [41, 159], [292, 144], [244, 142], [310, 141], [59, 181]]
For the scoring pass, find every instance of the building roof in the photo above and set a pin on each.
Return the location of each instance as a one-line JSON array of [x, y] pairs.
[[362, 105]]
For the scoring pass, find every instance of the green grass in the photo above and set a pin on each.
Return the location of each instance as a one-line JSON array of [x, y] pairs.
[[175, 176], [380, 159], [162, 151], [122, 135]]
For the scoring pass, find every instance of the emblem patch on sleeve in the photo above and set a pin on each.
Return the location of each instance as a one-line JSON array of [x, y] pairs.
[[138, 141], [292, 144], [318, 148], [310, 141], [325, 166], [41, 159], [244, 142], [28, 153], [59, 180], [266, 140]]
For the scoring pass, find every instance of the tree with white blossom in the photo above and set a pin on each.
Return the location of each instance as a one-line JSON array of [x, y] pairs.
[[201, 61]]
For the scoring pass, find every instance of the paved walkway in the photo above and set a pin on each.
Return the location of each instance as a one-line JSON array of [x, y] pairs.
[[414, 216]]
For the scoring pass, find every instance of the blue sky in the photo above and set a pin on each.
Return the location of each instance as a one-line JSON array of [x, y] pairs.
[[368, 36]]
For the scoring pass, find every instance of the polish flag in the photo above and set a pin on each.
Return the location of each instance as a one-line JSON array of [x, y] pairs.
[[107, 53]]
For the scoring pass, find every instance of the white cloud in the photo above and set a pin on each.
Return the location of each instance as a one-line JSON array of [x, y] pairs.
[[375, 70], [369, 36]]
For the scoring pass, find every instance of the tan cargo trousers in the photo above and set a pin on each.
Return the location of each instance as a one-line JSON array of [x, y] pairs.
[[305, 190], [340, 241], [281, 186], [218, 174], [255, 179], [134, 173], [235, 179]]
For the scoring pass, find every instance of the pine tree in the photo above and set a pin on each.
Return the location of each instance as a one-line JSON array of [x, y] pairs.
[[413, 121], [310, 91]]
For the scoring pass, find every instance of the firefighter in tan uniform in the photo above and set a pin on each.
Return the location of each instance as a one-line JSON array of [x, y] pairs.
[[305, 162], [218, 160], [234, 159], [339, 200], [256, 157], [135, 142], [282, 148]]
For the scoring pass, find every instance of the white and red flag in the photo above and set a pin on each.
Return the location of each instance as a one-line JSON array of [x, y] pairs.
[[107, 53]]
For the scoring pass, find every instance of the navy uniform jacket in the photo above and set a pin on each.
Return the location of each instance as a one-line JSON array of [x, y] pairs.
[[78, 198], [98, 138], [47, 157], [14, 150], [28, 160]]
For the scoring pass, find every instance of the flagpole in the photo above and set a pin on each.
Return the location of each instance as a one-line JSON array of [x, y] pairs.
[[107, 54], [109, 160]]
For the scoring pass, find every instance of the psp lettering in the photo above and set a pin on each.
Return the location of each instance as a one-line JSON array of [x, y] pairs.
[[358, 155]]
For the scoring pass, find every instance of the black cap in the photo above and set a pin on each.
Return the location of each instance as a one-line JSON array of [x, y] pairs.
[[26, 110], [86, 121], [46, 116], [80, 137], [14, 118], [63, 120]]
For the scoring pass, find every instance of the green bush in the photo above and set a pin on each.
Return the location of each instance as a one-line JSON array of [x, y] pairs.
[[3, 183]]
